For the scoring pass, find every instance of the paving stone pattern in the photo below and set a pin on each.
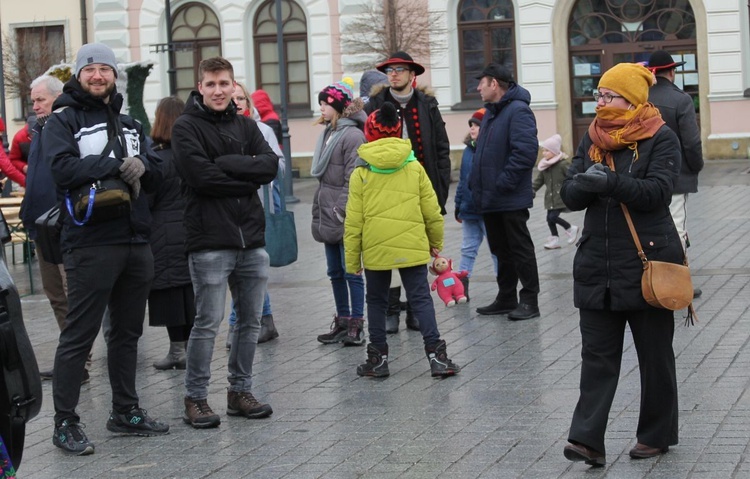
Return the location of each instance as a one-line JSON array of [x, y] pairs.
[[505, 416]]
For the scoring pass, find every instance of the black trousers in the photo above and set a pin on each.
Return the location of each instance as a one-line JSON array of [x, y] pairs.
[[118, 276], [602, 334], [510, 241]]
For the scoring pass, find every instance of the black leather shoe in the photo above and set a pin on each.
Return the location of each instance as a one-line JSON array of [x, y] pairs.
[[697, 292], [579, 452], [497, 307], [46, 375], [642, 451], [524, 311]]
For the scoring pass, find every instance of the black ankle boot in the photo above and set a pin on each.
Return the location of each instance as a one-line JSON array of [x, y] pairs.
[[440, 365], [411, 322], [465, 282], [394, 310], [377, 363]]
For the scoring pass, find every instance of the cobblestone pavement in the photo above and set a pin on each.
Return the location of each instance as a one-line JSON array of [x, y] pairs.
[[506, 415]]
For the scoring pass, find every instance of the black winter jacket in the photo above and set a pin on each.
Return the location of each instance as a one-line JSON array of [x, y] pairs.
[[167, 229], [506, 152], [222, 159], [607, 257], [678, 112], [73, 140], [434, 139]]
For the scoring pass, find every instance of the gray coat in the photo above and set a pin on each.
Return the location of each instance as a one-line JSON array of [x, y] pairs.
[[678, 112], [330, 198]]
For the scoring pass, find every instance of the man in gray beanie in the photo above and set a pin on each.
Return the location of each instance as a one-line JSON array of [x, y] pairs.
[[107, 257]]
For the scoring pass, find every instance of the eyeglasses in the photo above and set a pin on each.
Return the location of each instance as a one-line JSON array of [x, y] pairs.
[[607, 97], [399, 70], [103, 71]]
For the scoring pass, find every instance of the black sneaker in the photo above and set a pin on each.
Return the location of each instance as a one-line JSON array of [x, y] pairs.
[[337, 333], [69, 437], [136, 422]]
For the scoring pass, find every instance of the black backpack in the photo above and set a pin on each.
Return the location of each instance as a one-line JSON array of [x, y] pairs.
[[20, 384]]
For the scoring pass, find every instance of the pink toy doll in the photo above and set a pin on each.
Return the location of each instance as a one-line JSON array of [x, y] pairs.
[[448, 283]]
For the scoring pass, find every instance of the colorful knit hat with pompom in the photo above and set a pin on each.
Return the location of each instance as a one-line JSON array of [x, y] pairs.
[[339, 95], [383, 123]]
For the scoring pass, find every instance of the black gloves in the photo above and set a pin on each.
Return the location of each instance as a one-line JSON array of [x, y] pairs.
[[597, 179], [131, 171]]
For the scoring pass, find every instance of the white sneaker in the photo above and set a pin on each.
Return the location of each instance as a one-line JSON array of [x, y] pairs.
[[572, 233], [553, 242]]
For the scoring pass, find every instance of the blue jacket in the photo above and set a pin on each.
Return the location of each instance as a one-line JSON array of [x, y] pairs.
[[41, 191], [465, 209], [506, 152]]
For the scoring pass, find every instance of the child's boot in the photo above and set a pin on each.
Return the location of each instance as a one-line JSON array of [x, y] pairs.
[[355, 335], [440, 365], [394, 310], [338, 331], [377, 362]]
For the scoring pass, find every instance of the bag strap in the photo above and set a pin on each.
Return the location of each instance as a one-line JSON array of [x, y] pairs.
[[266, 199], [625, 211]]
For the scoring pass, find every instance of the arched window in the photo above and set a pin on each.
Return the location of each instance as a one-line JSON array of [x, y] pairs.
[[295, 55], [196, 35], [486, 33], [603, 33]]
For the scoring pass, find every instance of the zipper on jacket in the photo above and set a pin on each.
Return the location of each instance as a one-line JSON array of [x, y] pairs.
[[239, 226]]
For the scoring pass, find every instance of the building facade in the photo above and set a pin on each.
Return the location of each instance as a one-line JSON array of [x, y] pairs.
[[556, 48]]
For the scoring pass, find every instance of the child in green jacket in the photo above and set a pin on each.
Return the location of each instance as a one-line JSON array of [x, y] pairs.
[[393, 221]]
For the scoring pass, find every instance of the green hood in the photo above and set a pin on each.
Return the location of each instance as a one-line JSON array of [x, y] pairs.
[[386, 155]]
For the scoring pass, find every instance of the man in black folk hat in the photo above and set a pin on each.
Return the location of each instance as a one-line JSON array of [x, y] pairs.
[[678, 112], [424, 126]]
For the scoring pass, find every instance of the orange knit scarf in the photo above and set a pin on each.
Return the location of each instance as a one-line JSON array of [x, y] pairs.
[[615, 128]]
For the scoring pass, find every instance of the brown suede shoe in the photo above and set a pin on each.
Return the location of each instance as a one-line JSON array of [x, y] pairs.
[[579, 452], [642, 451]]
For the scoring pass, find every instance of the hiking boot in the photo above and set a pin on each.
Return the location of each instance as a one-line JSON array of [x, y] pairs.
[[136, 422], [440, 365], [175, 358], [376, 365], [355, 335], [69, 437], [553, 242], [267, 329], [199, 414], [572, 234], [230, 333], [498, 307], [338, 331], [241, 403]]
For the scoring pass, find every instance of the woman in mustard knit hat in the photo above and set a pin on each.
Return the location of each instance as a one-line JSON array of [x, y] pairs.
[[628, 156]]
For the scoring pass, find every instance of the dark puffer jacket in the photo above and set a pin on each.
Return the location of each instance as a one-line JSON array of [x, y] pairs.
[[222, 159], [73, 139], [506, 152], [607, 257], [436, 146], [167, 230]]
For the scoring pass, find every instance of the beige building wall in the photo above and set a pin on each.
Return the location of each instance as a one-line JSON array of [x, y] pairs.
[[20, 14]]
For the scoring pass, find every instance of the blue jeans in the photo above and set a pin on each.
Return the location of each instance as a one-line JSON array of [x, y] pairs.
[[246, 273], [344, 285], [473, 233], [417, 289], [266, 310]]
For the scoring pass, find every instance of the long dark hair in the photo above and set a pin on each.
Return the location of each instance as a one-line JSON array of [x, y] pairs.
[[167, 111]]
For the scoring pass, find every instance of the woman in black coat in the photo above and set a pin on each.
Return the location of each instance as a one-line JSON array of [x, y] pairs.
[[171, 302], [629, 134]]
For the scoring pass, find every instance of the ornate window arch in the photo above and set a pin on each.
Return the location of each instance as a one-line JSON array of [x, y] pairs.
[[295, 53], [196, 33], [486, 33], [603, 33]]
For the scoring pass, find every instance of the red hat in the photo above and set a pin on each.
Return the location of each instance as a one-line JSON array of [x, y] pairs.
[[402, 57], [477, 117], [383, 123]]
